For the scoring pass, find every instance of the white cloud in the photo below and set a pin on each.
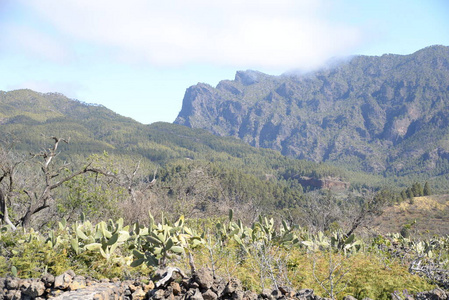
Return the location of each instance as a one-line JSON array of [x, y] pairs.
[[245, 33]]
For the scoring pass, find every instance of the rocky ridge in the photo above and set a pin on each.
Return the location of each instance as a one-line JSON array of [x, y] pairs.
[[384, 114]]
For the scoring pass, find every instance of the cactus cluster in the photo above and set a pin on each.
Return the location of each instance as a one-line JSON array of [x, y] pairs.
[[163, 241], [262, 230], [264, 245]]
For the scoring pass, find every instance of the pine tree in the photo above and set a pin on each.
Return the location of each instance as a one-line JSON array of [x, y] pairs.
[[417, 189], [403, 195], [426, 190]]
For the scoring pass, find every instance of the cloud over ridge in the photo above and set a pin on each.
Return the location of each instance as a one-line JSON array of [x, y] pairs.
[[259, 34]]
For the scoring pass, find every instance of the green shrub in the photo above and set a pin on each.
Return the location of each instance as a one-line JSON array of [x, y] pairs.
[[261, 256], [5, 267], [28, 252]]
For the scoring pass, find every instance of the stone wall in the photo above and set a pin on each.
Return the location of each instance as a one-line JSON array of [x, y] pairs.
[[173, 286]]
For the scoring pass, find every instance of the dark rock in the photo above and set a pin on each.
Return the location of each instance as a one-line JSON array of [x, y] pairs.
[[13, 295], [436, 294], [219, 286], [149, 286], [33, 288], [204, 278], [139, 294], [168, 292], [127, 292], [156, 294], [266, 294], [276, 294], [176, 288], [305, 294], [78, 282], [285, 290], [209, 295], [249, 295], [71, 273], [24, 284], [63, 281], [12, 283], [233, 286], [194, 294], [26, 297], [48, 280], [194, 285]]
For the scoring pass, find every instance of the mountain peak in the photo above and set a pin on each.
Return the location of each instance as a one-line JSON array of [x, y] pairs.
[[374, 113], [250, 77]]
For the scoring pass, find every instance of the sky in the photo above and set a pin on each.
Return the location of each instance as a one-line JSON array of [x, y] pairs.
[[137, 57]]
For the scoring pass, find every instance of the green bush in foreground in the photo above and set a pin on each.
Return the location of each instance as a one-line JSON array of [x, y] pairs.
[[262, 255]]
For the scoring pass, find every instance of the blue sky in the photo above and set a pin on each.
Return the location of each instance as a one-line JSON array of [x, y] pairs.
[[137, 57]]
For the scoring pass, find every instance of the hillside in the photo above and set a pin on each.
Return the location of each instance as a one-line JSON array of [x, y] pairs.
[[384, 115], [430, 214], [26, 117], [244, 173]]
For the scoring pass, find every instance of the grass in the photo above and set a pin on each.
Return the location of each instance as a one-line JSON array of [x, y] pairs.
[[430, 212]]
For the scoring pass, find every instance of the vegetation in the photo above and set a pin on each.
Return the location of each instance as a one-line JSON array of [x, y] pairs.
[[276, 255], [386, 116], [428, 215], [82, 203], [324, 253]]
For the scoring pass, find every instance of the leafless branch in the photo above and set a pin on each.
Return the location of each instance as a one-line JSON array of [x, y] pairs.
[[333, 278]]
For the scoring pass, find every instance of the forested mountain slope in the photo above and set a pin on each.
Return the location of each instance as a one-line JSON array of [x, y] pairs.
[[188, 161], [26, 117], [385, 115]]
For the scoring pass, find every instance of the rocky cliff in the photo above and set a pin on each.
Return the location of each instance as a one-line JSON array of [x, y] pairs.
[[387, 114]]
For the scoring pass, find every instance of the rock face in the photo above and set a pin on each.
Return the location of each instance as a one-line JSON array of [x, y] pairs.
[[378, 114]]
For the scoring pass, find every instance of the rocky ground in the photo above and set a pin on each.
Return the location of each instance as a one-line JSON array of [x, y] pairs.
[[174, 285]]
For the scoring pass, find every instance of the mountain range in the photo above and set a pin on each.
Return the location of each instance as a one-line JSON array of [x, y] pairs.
[[367, 120], [244, 173], [386, 115]]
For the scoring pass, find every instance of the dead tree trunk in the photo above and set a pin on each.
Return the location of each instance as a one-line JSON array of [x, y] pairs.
[[40, 197], [4, 216]]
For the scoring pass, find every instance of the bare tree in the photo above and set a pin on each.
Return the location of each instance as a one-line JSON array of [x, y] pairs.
[[38, 197], [141, 194], [332, 282], [9, 164], [4, 211], [373, 204], [320, 210]]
